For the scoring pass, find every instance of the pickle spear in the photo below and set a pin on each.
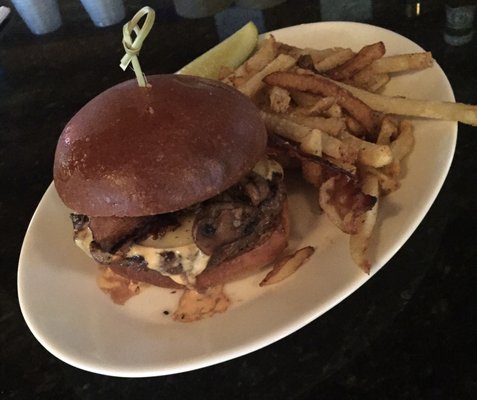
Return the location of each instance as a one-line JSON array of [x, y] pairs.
[[230, 53]]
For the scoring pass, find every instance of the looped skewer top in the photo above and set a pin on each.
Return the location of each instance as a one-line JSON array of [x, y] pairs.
[[133, 48]]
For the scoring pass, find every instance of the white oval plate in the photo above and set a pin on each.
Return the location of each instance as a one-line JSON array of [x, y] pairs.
[[77, 323]]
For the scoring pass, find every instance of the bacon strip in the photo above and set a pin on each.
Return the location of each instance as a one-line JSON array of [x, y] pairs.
[[344, 202]]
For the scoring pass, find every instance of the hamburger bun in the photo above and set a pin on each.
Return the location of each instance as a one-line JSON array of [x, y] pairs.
[[135, 151]]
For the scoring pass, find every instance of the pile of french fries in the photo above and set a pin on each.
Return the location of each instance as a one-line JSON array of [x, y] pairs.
[[326, 109]]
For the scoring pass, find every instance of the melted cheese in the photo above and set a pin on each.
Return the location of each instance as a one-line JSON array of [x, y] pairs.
[[180, 236], [83, 239], [192, 260], [178, 241]]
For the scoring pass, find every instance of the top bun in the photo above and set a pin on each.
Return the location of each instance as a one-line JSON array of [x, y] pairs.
[[135, 151]]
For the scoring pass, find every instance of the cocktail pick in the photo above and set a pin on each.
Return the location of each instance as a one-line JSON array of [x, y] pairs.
[[133, 47]]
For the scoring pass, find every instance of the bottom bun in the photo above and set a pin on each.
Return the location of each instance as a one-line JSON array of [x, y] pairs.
[[237, 268]]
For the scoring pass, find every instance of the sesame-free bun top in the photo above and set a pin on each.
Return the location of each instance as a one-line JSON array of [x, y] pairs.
[[134, 151]]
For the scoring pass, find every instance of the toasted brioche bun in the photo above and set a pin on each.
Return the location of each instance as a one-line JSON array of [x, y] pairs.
[[135, 151], [244, 265]]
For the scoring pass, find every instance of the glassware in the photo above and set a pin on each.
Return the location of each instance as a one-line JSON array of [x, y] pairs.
[[40, 16], [104, 12], [459, 28]]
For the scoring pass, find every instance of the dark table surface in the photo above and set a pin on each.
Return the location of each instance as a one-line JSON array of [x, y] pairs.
[[408, 333]]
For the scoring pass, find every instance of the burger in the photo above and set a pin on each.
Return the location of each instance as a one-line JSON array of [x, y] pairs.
[[170, 185]]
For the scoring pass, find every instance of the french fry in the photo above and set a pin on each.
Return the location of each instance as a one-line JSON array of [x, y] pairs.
[[393, 171], [313, 143], [441, 110], [331, 125], [398, 63], [266, 52], [339, 119], [387, 131], [289, 50], [296, 132], [372, 154], [285, 126], [404, 143], [400, 148], [350, 167], [354, 127], [377, 82], [287, 266], [388, 177], [319, 55], [334, 111], [320, 106], [306, 100], [255, 83], [376, 75], [319, 85], [279, 99], [359, 241], [334, 59], [358, 62]]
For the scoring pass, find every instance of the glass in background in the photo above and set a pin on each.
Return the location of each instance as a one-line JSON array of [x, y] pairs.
[[346, 10], [104, 12], [41, 16], [460, 16]]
